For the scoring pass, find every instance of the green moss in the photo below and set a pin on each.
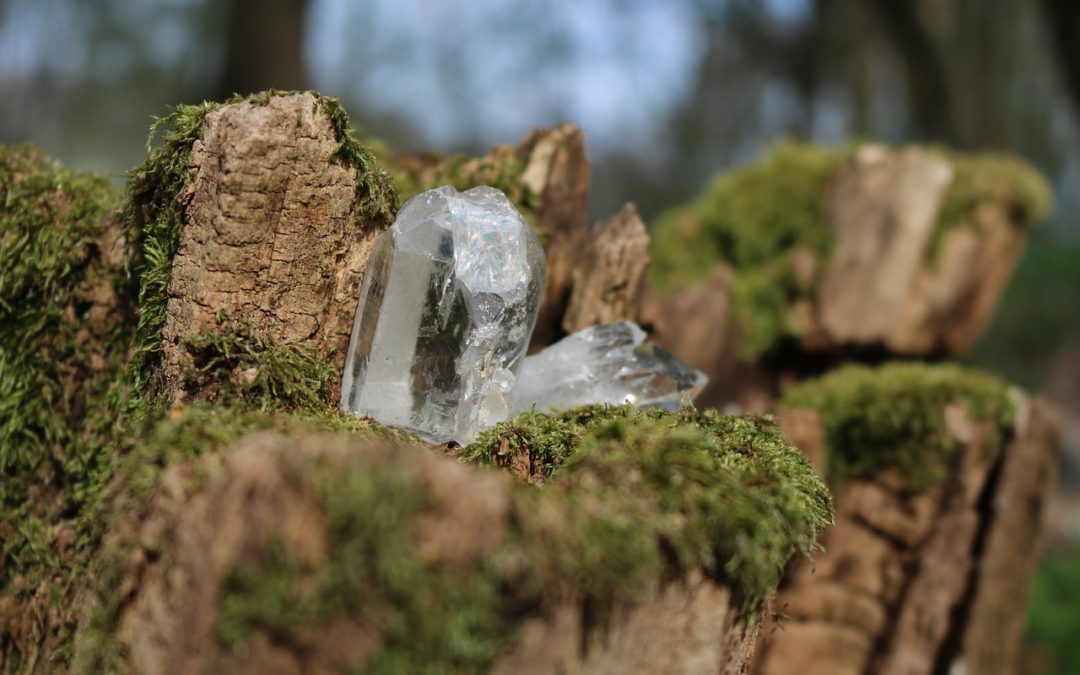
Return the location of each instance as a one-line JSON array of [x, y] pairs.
[[755, 219], [430, 618], [61, 382], [990, 178], [153, 205], [893, 417], [236, 364], [644, 497], [69, 397], [743, 498], [375, 191]]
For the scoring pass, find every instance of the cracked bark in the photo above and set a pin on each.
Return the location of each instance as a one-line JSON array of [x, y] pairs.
[[273, 235], [925, 581]]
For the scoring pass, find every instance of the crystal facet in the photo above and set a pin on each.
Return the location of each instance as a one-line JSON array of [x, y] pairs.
[[446, 311], [610, 363]]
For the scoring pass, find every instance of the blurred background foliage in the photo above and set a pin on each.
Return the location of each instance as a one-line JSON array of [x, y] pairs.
[[669, 93]]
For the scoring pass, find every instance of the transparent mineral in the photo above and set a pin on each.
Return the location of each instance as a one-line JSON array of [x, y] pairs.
[[448, 304], [610, 363]]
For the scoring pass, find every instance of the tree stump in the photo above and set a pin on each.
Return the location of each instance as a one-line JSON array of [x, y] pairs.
[[907, 257], [920, 580], [274, 231]]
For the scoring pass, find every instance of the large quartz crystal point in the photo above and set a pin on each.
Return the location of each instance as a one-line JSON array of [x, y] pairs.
[[446, 310], [609, 363]]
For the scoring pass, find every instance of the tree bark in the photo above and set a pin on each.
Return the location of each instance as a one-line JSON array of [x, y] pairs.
[[274, 234], [608, 277]]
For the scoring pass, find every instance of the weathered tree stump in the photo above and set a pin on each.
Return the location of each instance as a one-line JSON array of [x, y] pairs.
[[920, 579], [275, 228], [225, 576], [884, 252]]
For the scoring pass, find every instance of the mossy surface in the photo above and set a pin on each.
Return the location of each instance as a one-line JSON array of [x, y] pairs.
[[745, 499], [893, 417], [185, 433], [235, 364], [62, 348], [754, 219], [430, 618], [757, 218], [635, 498], [73, 405]]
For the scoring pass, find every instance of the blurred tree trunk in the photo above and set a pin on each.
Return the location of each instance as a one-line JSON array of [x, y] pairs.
[[1063, 20], [927, 87], [264, 46]]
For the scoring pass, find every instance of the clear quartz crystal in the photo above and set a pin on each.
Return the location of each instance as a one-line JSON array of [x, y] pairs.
[[447, 307], [610, 363]]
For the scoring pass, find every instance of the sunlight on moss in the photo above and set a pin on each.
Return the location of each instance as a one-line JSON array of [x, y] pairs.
[[893, 416]]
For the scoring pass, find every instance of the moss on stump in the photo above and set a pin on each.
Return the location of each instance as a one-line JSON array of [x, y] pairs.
[[769, 222], [894, 417], [637, 499]]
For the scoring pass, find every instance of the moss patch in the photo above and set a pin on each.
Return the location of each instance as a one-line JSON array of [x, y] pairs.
[[893, 417], [187, 432], [990, 178], [62, 304], [745, 499], [236, 364]]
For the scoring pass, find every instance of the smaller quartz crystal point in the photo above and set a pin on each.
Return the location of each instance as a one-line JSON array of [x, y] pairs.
[[610, 363], [447, 307]]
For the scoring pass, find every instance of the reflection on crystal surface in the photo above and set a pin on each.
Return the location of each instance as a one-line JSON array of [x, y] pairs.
[[446, 311], [610, 363]]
